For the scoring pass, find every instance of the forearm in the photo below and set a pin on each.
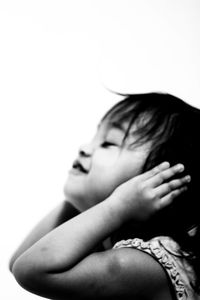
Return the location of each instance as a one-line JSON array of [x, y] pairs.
[[63, 212], [69, 243]]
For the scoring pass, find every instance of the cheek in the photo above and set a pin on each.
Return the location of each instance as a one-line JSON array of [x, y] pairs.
[[110, 170], [103, 183], [105, 168], [105, 160]]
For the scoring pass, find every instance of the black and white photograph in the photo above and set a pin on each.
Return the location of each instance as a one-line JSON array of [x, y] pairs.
[[100, 151]]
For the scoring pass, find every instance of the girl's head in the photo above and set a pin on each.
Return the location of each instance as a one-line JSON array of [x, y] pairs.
[[136, 134], [108, 161]]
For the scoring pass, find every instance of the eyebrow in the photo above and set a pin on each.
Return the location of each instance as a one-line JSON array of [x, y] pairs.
[[114, 125], [117, 126]]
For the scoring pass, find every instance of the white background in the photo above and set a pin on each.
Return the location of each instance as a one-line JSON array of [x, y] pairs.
[[57, 61]]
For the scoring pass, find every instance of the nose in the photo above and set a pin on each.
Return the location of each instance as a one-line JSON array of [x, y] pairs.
[[86, 150]]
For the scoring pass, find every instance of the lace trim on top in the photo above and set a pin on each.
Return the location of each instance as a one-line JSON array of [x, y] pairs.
[[156, 249]]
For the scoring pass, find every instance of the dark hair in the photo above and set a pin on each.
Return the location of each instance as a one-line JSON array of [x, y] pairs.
[[173, 126]]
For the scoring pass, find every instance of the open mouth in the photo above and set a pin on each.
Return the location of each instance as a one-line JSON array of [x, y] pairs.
[[77, 165]]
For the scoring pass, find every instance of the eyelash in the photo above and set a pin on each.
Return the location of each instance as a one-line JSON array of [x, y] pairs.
[[107, 144]]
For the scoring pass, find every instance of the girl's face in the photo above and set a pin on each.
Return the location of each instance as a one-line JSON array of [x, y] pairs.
[[102, 165]]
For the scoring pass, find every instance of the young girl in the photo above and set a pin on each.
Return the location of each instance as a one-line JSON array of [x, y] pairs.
[[129, 227]]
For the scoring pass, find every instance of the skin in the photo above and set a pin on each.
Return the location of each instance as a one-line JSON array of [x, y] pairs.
[[63, 264], [108, 163]]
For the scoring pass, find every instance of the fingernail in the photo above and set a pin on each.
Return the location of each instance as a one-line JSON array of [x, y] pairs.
[[188, 178], [180, 167], [165, 164]]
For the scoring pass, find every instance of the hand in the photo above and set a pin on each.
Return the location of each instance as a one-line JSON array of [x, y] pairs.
[[144, 195]]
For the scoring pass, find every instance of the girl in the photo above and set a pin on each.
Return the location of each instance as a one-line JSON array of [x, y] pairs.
[[128, 182]]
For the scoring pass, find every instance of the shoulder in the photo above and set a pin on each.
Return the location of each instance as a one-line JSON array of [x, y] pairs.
[[143, 272]]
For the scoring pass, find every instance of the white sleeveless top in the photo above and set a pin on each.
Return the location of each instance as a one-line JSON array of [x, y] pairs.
[[165, 250]]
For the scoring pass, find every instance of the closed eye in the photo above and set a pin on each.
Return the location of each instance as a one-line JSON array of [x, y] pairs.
[[107, 144]]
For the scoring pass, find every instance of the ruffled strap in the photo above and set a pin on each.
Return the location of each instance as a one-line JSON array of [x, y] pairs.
[[156, 249]]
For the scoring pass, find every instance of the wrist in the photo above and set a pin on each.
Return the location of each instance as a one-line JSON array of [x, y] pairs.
[[116, 209]]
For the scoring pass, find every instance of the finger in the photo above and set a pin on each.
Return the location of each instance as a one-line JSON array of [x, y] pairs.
[[166, 200], [168, 187], [163, 166], [164, 175]]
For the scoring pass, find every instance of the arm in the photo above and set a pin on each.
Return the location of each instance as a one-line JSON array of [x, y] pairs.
[[48, 268], [62, 213]]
